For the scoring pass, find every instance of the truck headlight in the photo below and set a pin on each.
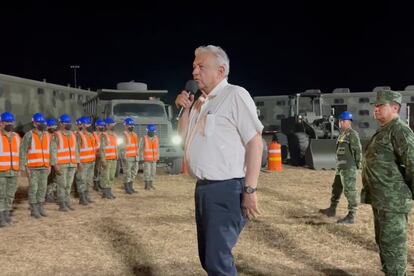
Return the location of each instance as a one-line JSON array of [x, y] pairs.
[[119, 140], [176, 140]]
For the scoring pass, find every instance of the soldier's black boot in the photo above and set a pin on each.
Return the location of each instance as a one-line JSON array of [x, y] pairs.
[[88, 197], [126, 187], [348, 219], [50, 198], [34, 211], [146, 185], [41, 210], [97, 186], [63, 207], [329, 212], [7, 217], [131, 187], [3, 222], [82, 199]]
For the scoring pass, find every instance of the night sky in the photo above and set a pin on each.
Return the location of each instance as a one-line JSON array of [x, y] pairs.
[[273, 50]]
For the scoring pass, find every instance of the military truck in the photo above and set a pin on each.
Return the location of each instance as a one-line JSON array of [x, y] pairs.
[[24, 97], [275, 109], [134, 100]]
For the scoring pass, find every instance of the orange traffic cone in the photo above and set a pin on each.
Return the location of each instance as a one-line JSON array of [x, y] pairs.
[[274, 163], [185, 167]]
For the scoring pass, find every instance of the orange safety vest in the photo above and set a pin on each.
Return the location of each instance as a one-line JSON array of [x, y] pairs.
[[38, 155], [97, 137], [66, 153], [87, 150], [9, 152], [110, 148], [151, 153], [131, 148]]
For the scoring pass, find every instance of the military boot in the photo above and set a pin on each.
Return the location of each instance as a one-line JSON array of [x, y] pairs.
[[146, 185], [82, 199], [88, 198], [127, 189], [111, 195], [34, 211], [97, 186], [7, 216], [348, 219], [50, 198], [131, 187], [41, 210], [105, 193], [3, 222], [67, 203], [63, 207], [329, 212]]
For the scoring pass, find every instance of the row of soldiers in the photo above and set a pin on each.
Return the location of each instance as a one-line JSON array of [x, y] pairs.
[[52, 150]]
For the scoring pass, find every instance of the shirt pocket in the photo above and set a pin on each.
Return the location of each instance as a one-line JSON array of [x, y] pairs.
[[210, 125]]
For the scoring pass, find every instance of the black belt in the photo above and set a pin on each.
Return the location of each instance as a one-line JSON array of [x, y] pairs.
[[207, 182]]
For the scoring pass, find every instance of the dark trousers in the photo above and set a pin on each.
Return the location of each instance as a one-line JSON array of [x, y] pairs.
[[219, 220]]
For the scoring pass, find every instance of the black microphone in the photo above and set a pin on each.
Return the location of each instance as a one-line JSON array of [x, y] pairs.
[[191, 87]]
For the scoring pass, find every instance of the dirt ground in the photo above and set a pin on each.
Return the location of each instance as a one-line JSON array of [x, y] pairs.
[[153, 233]]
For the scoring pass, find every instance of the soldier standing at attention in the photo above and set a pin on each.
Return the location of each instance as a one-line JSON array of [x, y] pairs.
[[65, 159], [149, 147], [108, 152], [348, 160], [130, 155], [51, 191], [100, 128], [35, 155], [388, 179], [87, 148], [9, 166]]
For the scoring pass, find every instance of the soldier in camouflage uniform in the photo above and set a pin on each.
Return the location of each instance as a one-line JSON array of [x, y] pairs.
[[100, 128], [387, 178], [35, 157], [108, 152], [65, 159], [348, 160], [130, 155], [149, 148], [51, 192]]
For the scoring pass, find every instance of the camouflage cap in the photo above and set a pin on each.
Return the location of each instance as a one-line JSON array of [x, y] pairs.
[[387, 97]]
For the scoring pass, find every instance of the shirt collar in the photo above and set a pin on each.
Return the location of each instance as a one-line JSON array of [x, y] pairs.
[[217, 89]]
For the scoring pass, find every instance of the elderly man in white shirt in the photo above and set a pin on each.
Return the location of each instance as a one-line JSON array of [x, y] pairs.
[[223, 149]]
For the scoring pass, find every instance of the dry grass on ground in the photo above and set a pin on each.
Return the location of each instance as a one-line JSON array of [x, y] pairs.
[[153, 233]]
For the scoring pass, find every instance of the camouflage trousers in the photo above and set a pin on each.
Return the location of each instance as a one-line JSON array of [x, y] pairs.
[[84, 177], [391, 238], [8, 187], [345, 180], [150, 170], [64, 183], [97, 169], [131, 170], [37, 185], [107, 176], [51, 183]]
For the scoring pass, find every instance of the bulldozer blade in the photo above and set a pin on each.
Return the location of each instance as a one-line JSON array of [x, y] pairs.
[[321, 154]]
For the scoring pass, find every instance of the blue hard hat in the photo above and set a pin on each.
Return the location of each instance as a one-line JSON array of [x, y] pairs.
[[65, 119], [86, 121], [100, 123], [51, 122], [109, 121], [345, 116], [38, 118], [79, 121], [129, 122], [151, 128], [7, 117]]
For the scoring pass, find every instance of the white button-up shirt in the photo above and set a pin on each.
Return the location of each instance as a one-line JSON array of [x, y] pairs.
[[218, 133]]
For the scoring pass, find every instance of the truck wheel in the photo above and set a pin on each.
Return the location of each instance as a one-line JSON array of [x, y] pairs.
[[176, 166], [298, 143]]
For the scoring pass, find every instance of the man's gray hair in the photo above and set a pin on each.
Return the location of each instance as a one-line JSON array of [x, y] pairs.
[[221, 56]]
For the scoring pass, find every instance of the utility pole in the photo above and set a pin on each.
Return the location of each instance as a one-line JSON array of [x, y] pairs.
[[74, 67]]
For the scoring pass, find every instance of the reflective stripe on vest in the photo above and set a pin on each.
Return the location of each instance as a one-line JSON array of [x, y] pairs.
[[110, 148], [66, 153], [38, 155], [131, 148], [9, 152], [151, 153], [97, 137], [87, 150]]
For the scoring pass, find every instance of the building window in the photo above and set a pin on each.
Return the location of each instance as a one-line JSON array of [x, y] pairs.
[[80, 98], [412, 98], [364, 112], [363, 100], [54, 93], [62, 96], [259, 103], [281, 103], [316, 101], [339, 101], [363, 125], [280, 117], [72, 96], [40, 91]]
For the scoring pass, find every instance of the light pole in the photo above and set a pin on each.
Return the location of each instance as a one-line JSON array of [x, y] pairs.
[[74, 67]]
